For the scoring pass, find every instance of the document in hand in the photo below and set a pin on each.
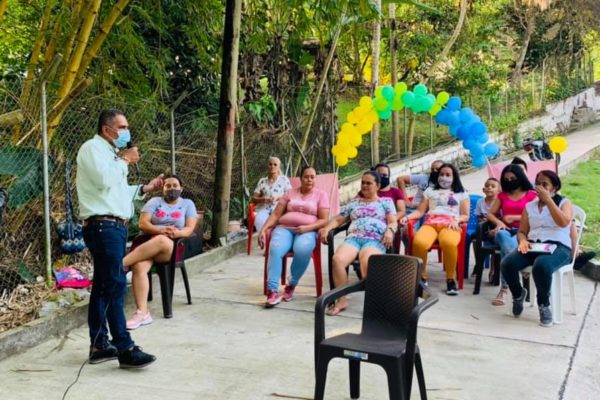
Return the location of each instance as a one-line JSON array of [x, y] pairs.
[[542, 248]]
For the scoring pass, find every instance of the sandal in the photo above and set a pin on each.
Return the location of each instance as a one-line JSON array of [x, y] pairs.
[[500, 299], [334, 310]]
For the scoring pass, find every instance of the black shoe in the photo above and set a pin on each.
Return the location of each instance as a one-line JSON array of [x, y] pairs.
[[451, 289], [135, 358], [98, 356], [582, 259], [517, 308]]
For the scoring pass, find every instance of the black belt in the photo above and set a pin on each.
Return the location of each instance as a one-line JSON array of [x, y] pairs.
[[111, 218]]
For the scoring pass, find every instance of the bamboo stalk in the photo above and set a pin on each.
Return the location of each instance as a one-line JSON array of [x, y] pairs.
[[105, 29], [82, 41], [35, 54], [76, 18], [3, 5]]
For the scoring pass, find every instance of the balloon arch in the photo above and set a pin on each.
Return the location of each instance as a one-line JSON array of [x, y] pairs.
[[462, 122]]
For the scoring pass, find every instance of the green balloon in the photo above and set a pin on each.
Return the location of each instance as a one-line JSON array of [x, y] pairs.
[[378, 92], [384, 114], [381, 104], [388, 93], [420, 90], [408, 98]]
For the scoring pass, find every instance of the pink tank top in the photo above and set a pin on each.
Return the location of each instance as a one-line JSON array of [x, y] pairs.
[[509, 206]]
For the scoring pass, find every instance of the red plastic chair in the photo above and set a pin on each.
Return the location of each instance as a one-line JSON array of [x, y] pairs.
[[460, 261], [251, 216], [316, 257]]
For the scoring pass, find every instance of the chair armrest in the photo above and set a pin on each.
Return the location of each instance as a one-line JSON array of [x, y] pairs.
[[414, 318], [324, 300], [335, 231]]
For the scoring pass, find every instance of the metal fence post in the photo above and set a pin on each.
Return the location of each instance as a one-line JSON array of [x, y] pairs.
[[173, 164]]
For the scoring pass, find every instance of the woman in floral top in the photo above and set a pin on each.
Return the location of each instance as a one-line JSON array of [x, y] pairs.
[[268, 192], [371, 231]]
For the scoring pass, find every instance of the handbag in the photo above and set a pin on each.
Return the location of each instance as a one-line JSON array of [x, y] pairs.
[[69, 231]]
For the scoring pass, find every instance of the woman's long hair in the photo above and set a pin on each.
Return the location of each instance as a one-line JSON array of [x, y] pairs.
[[524, 183], [457, 186]]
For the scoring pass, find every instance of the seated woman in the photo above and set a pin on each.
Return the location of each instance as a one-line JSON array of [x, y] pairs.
[[544, 220], [268, 191], [371, 231], [298, 216], [510, 203], [162, 219], [445, 206]]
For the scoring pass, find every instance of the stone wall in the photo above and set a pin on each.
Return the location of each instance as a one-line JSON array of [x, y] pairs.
[[556, 117]]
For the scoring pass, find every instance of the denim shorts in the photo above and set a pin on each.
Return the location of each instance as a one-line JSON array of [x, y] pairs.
[[362, 243]]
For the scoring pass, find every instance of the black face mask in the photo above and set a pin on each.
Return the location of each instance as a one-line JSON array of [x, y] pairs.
[[385, 181], [172, 194], [510, 186]]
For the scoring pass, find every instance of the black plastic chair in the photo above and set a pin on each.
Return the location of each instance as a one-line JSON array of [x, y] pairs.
[[484, 248], [166, 275], [389, 330]]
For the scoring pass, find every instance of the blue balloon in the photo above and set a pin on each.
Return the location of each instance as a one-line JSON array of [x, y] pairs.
[[462, 133], [483, 139], [453, 130], [469, 144], [478, 129], [453, 118], [479, 161], [477, 150], [466, 114], [442, 117], [491, 149], [454, 104]]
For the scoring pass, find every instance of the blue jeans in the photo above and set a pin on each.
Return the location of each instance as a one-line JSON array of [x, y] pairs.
[[282, 241], [506, 239], [544, 266], [107, 241]]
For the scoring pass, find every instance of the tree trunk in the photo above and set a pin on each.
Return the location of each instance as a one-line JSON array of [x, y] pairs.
[[394, 71], [411, 133], [227, 113], [305, 136], [461, 21], [375, 80], [517, 73]]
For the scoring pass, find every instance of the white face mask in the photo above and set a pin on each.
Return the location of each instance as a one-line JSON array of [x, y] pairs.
[[445, 182]]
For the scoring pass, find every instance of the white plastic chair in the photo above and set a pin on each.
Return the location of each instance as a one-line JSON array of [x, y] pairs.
[[556, 291]]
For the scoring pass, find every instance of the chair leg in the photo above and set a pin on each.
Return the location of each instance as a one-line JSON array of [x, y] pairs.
[[354, 371], [321, 377], [165, 275], [420, 376], [318, 272], [395, 381], [571, 278], [283, 270], [150, 285], [186, 283], [556, 293]]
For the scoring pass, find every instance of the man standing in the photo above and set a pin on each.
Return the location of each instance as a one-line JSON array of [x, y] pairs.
[[105, 206]]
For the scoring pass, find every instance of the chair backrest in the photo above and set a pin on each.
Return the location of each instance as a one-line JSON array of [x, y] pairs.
[[579, 217], [391, 292], [329, 183], [533, 167], [473, 218]]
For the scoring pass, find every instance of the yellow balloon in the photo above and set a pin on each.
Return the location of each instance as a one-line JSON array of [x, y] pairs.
[[335, 150], [355, 139], [373, 117], [558, 144], [347, 127], [436, 108], [366, 102], [341, 160], [352, 152], [343, 140], [364, 126], [351, 117]]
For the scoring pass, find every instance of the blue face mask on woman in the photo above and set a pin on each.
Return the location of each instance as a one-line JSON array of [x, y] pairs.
[[123, 138]]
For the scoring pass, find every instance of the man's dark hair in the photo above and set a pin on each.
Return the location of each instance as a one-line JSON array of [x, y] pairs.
[[382, 165], [106, 118], [457, 186], [524, 183], [169, 176], [519, 161]]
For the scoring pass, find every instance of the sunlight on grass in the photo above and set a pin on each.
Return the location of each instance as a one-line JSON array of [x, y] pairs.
[[581, 187]]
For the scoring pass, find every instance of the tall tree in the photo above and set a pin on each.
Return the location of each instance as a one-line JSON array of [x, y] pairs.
[[375, 79], [227, 116]]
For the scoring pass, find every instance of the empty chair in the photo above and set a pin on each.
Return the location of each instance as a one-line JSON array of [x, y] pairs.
[[389, 328]]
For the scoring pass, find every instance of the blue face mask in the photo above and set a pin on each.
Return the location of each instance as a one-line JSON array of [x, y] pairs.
[[123, 138]]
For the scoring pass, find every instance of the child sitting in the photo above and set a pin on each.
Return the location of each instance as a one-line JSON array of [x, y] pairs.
[[491, 188]]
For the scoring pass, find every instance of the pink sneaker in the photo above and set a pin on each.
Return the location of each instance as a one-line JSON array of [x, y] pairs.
[[139, 319], [273, 298], [288, 293]]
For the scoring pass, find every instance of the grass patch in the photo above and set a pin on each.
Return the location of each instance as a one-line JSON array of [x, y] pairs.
[[581, 187]]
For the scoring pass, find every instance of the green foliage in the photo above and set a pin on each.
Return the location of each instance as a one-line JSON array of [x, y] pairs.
[[25, 164], [262, 110]]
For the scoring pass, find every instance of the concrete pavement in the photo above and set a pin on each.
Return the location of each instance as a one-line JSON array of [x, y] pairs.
[[227, 346]]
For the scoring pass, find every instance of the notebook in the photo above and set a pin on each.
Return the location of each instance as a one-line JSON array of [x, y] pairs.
[[542, 248]]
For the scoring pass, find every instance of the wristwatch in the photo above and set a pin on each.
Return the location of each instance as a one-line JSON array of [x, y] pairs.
[[141, 190]]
